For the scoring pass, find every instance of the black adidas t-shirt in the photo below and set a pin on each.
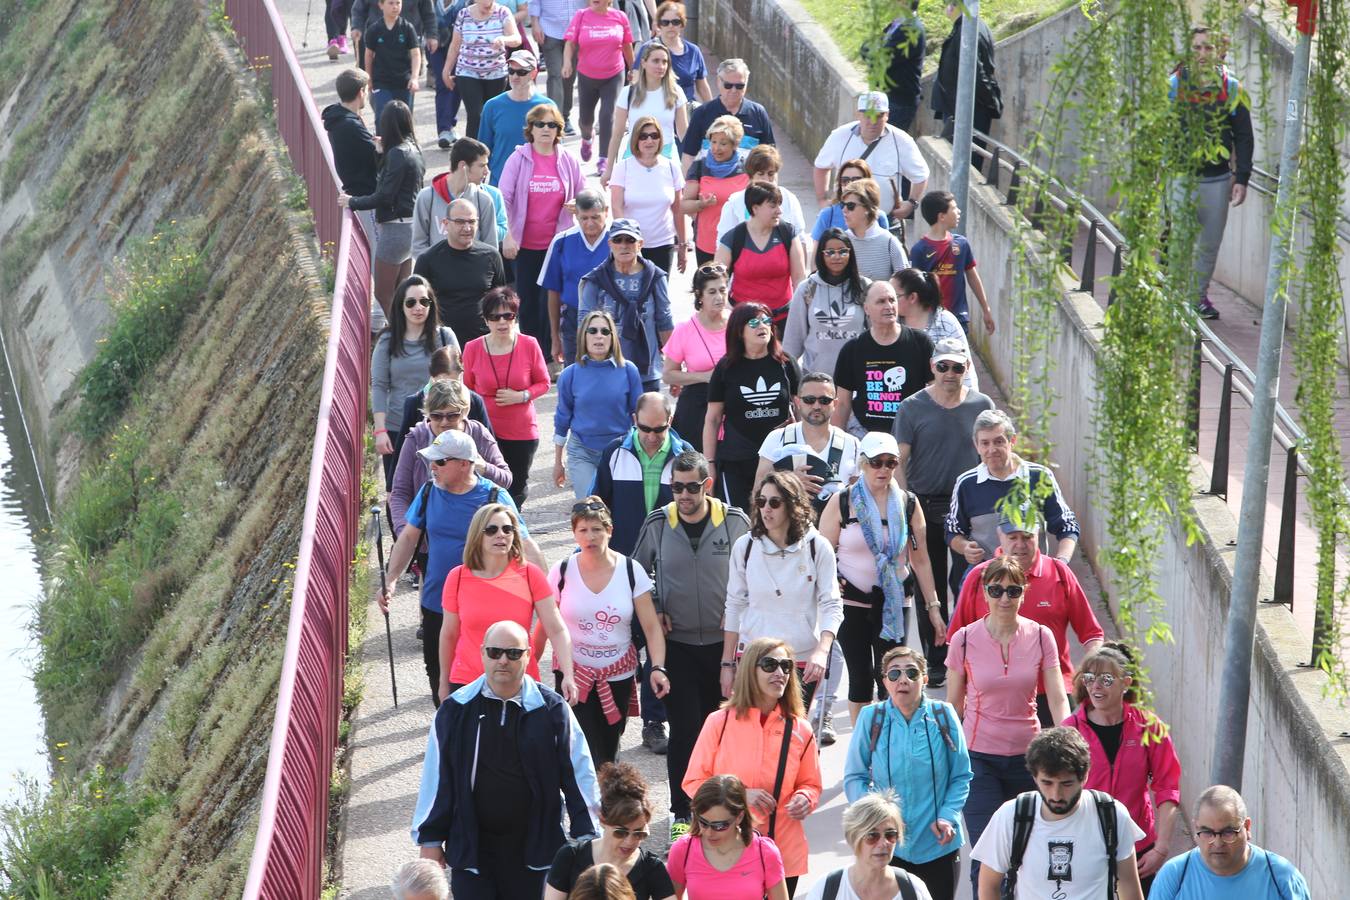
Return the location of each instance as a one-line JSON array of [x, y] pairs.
[[757, 397], [880, 377]]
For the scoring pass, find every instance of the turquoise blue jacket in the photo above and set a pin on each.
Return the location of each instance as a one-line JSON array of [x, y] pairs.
[[913, 759]]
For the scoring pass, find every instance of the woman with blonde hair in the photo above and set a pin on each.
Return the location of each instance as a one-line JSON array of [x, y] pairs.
[[722, 855], [654, 92], [495, 584], [596, 398], [872, 827], [712, 178], [761, 734], [832, 216], [646, 187], [602, 882]]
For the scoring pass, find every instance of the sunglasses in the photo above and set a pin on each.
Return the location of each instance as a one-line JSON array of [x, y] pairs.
[[652, 429], [444, 416], [770, 663], [998, 590], [686, 487], [500, 317], [670, 21], [889, 462], [719, 825], [838, 252], [410, 302], [757, 321], [890, 834], [623, 239], [521, 73], [552, 126], [439, 462], [910, 672], [491, 530], [730, 86], [712, 269], [851, 205], [586, 506], [1105, 679], [809, 400], [649, 136], [593, 330], [624, 834], [511, 653], [958, 368], [770, 502]]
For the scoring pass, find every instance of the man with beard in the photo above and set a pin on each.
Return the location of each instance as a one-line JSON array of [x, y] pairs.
[[1054, 842]]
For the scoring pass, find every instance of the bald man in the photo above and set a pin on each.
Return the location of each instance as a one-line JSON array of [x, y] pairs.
[[461, 270], [505, 753]]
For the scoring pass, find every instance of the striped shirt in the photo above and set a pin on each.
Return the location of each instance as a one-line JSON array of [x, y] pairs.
[[477, 57], [879, 253], [974, 513]]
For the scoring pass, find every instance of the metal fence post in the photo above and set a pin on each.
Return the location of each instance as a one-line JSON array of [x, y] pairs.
[[1089, 279], [1115, 273], [1014, 184], [1284, 556], [994, 168], [1218, 481]]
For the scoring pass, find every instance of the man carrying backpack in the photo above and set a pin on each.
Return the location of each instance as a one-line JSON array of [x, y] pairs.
[[1059, 841]]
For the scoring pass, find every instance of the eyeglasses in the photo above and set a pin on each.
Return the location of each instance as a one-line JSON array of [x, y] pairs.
[[593, 331], [889, 462], [1227, 835], [586, 506], [809, 400], [624, 834], [649, 136], [849, 179], [500, 317], [686, 487], [770, 502], [511, 653], [719, 825], [670, 21], [491, 530], [757, 321], [519, 73], [890, 835], [444, 416], [1105, 679], [910, 672], [958, 368], [652, 429], [552, 126], [837, 252], [998, 590], [623, 239], [851, 205], [410, 302], [733, 86], [770, 663]]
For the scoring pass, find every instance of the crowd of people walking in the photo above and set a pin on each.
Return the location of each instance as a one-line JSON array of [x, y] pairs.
[[799, 480]]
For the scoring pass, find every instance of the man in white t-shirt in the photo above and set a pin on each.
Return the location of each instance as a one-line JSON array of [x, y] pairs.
[[890, 152], [1055, 846]]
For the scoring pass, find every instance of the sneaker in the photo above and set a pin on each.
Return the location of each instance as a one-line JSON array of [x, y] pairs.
[[343, 47], [585, 150], [600, 167], [826, 735], [937, 678], [1206, 310], [569, 129], [445, 139], [334, 49], [678, 829], [419, 632], [654, 738]]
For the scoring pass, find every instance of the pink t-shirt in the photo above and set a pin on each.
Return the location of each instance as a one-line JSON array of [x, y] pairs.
[[759, 868], [544, 203], [695, 346], [1001, 693], [481, 602], [600, 40], [523, 369]]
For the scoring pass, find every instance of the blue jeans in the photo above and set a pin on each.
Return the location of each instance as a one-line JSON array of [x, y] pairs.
[[380, 96], [447, 100], [567, 329], [581, 465], [997, 780]]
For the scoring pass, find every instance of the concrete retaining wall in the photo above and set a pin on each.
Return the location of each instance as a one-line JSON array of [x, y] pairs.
[[1296, 781]]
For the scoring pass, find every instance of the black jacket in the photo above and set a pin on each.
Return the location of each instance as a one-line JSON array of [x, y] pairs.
[[987, 93], [397, 186], [353, 150], [907, 41]]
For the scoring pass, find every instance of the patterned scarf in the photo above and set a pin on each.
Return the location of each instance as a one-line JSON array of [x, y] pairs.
[[888, 550]]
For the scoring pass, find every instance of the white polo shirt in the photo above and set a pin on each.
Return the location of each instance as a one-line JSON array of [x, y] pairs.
[[895, 155]]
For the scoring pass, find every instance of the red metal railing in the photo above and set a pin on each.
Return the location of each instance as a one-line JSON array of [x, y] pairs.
[[287, 861]]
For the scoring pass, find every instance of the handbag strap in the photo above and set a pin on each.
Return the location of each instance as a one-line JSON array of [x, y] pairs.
[[782, 770]]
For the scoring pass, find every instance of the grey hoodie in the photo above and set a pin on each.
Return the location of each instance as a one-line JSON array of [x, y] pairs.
[[821, 319]]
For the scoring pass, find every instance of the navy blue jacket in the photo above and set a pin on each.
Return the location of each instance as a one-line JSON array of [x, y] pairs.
[[618, 482]]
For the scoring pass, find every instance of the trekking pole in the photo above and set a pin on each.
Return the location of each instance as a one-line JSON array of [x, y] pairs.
[[377, 530], [304, 38]]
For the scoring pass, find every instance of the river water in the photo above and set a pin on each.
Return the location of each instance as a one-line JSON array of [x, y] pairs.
[[22, 514]]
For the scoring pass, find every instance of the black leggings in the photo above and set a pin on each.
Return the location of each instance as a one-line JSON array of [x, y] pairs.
[[738, 480], [519, 456], [534, 319], [934, 512], [695, 692], [661, 256], [602, 738], [431, 648], [863, 647], [474, 92], [605, 91], [939, 875]]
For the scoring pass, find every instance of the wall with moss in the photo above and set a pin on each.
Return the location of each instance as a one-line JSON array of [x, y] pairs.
[[178, 521]]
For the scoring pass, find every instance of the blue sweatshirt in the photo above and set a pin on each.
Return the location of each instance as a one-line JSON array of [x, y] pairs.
[[596, 402]]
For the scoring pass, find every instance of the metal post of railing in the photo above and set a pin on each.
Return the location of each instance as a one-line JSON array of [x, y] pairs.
[[1115, 273], [995, 167], [1015, 184], [1218, 480], [1089, 280], [1193, 398], [1284, 555]]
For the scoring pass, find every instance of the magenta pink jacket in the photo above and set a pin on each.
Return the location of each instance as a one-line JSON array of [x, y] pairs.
[[515, 186], [1139, 766]]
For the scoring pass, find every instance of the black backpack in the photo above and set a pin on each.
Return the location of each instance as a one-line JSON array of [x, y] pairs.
[[562, 575], [740, 234], [493, 493], [902, 882], [1024, 818]]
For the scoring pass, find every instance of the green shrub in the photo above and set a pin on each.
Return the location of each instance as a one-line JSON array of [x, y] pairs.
[[163, 278], [65, 842]]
